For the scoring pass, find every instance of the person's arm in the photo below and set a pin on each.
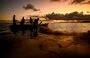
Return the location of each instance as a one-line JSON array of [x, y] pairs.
[[40, 22]]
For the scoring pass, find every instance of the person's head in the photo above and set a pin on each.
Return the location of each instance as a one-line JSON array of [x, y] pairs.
[[37, 18], [30, 18], [22, 17], [14, 16]]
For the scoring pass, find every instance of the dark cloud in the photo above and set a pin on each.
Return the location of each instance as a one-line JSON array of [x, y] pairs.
[[88, 2], [30, 6], [59, 0], [36, 9], [73, 1], [80, 2], [77, 1], [55, 0], [65, 0]]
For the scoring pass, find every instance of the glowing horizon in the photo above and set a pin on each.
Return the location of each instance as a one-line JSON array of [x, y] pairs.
[[11, 7]]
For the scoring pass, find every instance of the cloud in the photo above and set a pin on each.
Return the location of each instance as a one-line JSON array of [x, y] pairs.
[[77, 1], [87, 2], [30, 6], [55, 0], [36, 9], [73, 1], [62, 1], [80, 2]]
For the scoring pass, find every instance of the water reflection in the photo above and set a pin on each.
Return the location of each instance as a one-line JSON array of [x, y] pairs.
[[70, 27]]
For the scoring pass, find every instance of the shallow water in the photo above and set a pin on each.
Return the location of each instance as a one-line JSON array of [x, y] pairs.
[[70, 27]]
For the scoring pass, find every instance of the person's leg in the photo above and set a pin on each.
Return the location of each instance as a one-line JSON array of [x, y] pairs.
[[14, 29], [23, 30], [15, 32], [35, 32], [31, 32]]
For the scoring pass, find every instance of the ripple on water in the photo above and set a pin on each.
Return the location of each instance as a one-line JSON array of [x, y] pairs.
[[70, 27]]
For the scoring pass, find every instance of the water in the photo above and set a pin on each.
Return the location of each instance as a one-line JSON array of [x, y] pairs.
[[70, 27]]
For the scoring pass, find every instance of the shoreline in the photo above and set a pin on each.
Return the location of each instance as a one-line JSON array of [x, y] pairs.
[[50, 45]]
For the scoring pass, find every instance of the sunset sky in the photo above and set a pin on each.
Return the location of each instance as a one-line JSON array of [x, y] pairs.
[[40, 7]]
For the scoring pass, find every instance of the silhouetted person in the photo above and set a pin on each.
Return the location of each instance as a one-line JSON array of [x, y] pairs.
[[31, 20], [14, 29], [14, 20], [22, 21], [35, 26], [22, 25], [31, 26]]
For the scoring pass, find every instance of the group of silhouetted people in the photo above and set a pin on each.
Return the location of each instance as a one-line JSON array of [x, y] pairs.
[[33, 25]]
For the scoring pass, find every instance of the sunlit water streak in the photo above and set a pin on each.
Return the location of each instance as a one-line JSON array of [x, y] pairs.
[[70, 27]]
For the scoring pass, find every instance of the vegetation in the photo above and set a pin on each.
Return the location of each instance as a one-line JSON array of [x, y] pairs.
[[71, 16]]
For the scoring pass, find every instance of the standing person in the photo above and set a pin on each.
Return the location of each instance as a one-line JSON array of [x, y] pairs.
[[14, 20], [35, 26], [31, 26], [31, 20], [22, 21], [22, 25], [14, 25]]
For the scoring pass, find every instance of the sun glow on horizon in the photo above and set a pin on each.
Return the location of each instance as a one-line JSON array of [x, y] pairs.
[[45, 7]]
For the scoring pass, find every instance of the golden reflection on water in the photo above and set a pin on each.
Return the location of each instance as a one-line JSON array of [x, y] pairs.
[[70, 27]]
